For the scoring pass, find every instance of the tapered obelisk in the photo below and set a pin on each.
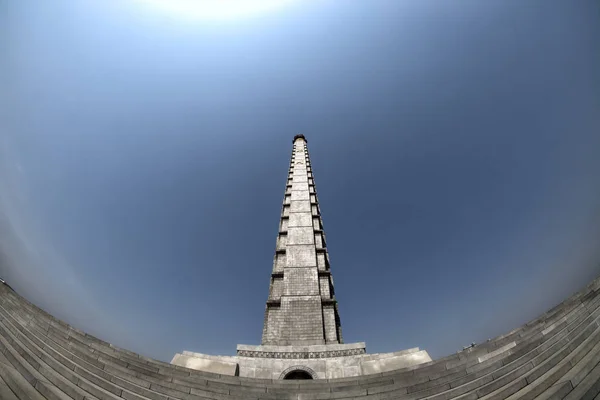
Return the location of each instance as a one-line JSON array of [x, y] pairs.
[[302, 335], [301, 309]]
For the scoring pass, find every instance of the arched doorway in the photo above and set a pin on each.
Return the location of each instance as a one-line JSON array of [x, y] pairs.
[[298, 374]]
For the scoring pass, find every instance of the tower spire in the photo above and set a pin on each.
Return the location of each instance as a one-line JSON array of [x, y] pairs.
[[301, 308]]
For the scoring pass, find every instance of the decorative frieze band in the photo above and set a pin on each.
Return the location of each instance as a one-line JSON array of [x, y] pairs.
[[301, 354]]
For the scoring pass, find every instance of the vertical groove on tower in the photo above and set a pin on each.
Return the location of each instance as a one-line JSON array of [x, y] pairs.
[[301, 308]]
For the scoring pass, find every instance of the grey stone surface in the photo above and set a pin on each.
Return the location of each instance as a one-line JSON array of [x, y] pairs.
[[569, 361], [300, 219], [497, 352], [217, 366], [300, 348], [19, 385], [327, 361], [389, 363], [301, 256], [300, 307]]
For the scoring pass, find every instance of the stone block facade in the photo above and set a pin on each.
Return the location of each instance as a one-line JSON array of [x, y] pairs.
[[301, 308]]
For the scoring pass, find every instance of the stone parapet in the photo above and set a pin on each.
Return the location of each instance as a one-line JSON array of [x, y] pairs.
[[320, 361]]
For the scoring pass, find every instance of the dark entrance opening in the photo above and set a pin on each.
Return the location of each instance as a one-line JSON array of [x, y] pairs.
[[298, 374]]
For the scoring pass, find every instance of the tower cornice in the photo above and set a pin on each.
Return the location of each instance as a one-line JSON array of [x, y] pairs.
[[299, 136]]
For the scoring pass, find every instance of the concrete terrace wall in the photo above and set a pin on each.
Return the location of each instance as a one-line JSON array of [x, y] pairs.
[[273, 364], [555, 356]]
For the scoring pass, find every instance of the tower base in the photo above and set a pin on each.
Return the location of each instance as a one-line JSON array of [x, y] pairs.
[[314, 362]]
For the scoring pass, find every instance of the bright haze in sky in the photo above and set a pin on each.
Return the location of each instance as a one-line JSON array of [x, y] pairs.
[[145, 144], [214, 9]]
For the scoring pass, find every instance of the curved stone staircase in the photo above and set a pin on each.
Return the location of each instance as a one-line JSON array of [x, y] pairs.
[[556, 356]]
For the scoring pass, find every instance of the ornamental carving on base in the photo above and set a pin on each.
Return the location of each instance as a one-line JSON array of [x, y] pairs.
[[301, 354]]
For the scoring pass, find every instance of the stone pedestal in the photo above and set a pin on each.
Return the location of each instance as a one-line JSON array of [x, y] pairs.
[[319, 361]]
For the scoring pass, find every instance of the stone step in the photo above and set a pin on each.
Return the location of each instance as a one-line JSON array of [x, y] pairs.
[[461, 375], [506, 385], [126, 377], [48, 370], [70, 350], [541, 324], [588, 388], [73, 383], [556, 392], [565, 331], [17, 362], [119, 372], [543, 377], [18, 385], [3, 359], [474, 366], [488, 376], [582, 368], [561, 344], [5, 392], [67, 363], [87, 340], [117, 385], [60, 325], [307, 382], [35, 384]]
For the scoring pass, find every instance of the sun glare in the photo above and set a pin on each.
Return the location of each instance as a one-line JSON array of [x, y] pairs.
[[216, 9]]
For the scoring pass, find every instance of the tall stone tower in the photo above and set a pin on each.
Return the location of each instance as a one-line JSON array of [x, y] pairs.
[[302, 335], [301, 308]]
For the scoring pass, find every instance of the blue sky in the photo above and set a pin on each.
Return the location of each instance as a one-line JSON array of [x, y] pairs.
[[143, 160]]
